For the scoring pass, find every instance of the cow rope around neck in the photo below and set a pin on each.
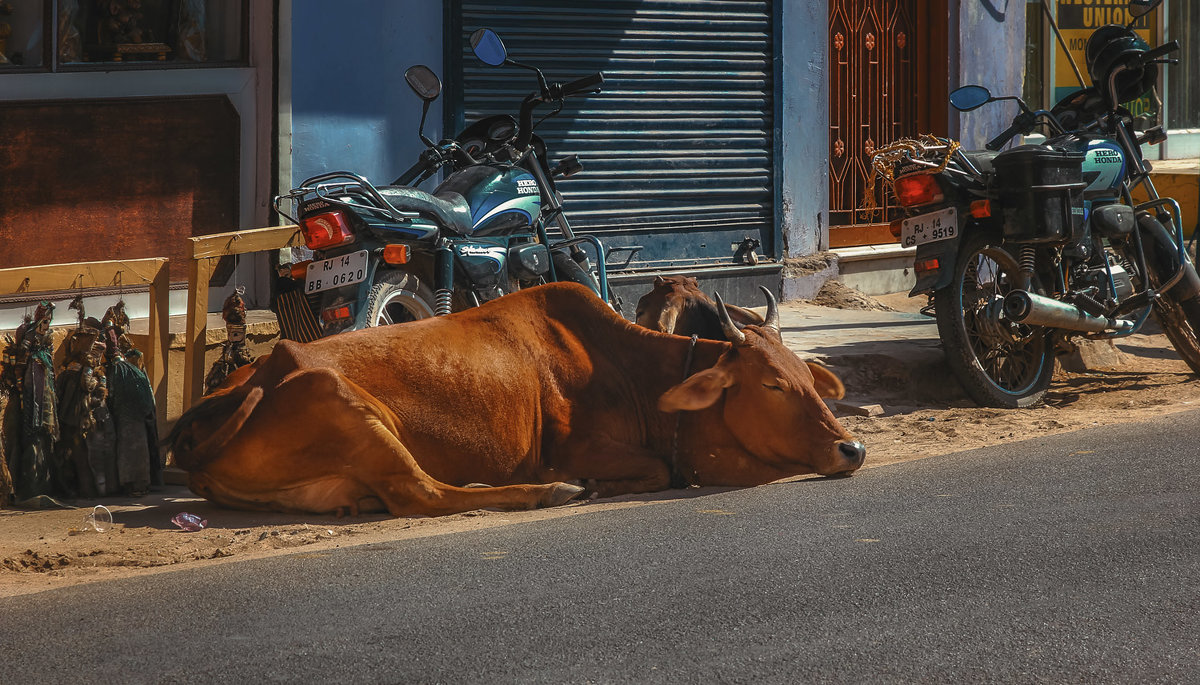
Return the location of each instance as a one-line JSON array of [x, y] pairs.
[[677, 480]]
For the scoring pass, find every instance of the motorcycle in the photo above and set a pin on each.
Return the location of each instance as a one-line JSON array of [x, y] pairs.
[[388, 254], [1021, 250]]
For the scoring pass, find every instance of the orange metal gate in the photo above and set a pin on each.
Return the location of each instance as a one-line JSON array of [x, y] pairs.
[[887, 79]]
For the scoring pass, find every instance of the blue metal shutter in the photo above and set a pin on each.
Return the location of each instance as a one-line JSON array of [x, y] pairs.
[[677, 149]]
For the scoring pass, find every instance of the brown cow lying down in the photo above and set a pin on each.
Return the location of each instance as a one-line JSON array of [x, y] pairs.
[[533, 389], [678, 305]]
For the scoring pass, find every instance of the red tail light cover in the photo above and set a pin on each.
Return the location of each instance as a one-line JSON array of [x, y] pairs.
[[329, 229], [918, 189]]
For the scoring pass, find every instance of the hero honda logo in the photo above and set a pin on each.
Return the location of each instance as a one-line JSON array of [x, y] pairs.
[[526, 186]]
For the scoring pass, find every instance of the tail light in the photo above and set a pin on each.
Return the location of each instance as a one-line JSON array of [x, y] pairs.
[[333, 314], [329, 229], [918, 189]]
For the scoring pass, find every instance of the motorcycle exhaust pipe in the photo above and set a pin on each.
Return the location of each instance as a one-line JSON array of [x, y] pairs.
[[1035, 310]]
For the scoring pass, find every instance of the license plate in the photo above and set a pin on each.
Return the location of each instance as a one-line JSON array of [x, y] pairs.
[[928, 228], [347, 269]]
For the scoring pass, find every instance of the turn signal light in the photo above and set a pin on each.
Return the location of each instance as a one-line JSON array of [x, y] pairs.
[[326, 230], [981, 209], [300, 270], [336, 314], [396, 254], [927, 265], [918, 189]]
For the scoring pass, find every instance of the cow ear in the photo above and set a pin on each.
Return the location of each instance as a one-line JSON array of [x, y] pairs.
[[826, 383], [698, 392]]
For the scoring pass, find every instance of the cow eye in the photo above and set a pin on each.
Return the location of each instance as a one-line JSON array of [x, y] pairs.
[[772, 386]]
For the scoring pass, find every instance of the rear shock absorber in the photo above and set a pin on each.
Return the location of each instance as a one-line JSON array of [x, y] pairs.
[[441, 302], [1027, 262]]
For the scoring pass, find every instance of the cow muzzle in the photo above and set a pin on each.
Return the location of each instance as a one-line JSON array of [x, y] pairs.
[[852, 454]]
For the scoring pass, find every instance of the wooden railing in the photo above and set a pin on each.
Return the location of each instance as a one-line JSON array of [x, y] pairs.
[[205, 250], [80, 276]]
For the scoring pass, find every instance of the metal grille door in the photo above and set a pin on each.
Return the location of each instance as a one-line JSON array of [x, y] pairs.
[[881, 81], [677, 149]]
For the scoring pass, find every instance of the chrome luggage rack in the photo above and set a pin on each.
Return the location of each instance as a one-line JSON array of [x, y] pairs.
[[341, 188]]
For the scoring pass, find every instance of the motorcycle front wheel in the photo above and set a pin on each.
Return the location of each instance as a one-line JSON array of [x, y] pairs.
[[999, 363], [397, 297], [567, 269], [1180, 319]]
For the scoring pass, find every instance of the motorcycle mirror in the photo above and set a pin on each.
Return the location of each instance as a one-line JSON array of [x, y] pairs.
[[1140, 8], [424, 82], [488, 47], [968, 98]]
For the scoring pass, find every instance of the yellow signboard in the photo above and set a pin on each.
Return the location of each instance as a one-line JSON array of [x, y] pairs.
[[1077, 19]]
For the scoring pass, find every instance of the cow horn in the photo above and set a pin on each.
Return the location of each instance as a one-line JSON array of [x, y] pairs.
[[772, 318], [731, 330]]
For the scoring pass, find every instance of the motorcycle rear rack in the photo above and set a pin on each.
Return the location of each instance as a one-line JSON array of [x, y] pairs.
[[346, 185]]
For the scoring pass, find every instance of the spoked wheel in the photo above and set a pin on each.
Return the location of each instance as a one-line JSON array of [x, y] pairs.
[[1180, 319], [398, 297], [999, 363]]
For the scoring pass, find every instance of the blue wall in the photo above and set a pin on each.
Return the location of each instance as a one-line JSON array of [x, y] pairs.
[[804, 158], [991, 35], [351, 109]]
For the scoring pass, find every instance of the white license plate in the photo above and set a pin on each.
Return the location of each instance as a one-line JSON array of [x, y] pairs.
[[347, 269], [928, 228]]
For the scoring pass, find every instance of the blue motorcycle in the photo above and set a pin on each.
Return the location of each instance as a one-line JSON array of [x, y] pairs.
[[389, 254]]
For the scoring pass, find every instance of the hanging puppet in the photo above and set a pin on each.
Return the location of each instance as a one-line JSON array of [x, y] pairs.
[[233, 353], [131, 404], [30, 422], [86, 439]]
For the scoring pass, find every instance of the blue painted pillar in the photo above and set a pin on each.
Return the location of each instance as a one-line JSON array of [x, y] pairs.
[[803, 163], [351, 109]]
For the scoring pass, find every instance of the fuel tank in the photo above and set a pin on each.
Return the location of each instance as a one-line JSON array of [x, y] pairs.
[[1103, 164], [503, 200]]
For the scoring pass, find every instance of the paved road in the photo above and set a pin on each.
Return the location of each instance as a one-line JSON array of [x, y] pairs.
[[1067, 559]]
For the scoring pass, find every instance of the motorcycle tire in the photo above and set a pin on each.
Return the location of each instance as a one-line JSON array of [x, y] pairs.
[[396, 297], [1180, 319], [999, 364]]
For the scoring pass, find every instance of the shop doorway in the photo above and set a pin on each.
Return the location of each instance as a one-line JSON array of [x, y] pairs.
[[888, 72]]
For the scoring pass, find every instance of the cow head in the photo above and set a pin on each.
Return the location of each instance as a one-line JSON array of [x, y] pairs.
[[678, 305], [775, 423]]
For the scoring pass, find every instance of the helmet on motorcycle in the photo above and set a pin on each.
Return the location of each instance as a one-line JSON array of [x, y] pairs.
[[1115, 45]]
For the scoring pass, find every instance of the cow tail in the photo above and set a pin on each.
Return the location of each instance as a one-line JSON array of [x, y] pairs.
[[181, 441]]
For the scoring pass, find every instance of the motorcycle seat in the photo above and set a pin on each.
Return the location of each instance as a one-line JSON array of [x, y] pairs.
[[447, 207], [982, 159]]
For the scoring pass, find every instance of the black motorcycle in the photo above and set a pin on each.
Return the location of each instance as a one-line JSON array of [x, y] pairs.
[[388, 254], [1023, 249]]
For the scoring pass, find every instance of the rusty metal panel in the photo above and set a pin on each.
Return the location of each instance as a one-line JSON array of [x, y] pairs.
[[122, 178], [874, 91]]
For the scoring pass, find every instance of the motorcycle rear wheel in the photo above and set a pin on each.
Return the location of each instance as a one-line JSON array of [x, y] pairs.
[[999, 364], [397, 297]]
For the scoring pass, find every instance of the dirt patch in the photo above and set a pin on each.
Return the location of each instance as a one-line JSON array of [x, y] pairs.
[[838, 295]]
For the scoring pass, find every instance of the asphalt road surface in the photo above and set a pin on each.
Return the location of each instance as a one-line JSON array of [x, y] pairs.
[[1073, 558]]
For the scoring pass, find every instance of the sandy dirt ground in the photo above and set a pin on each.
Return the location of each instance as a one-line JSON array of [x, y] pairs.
[[44, 550]]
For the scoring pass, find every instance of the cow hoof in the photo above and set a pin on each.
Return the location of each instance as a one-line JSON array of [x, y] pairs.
[[560, 493]]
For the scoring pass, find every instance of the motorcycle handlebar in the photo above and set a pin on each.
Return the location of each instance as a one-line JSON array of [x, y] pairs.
[[999, 141], [1160, 51], [413, 171], [587, 84]]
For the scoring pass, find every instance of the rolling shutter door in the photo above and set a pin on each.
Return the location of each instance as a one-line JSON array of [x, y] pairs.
[[677, 149]]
